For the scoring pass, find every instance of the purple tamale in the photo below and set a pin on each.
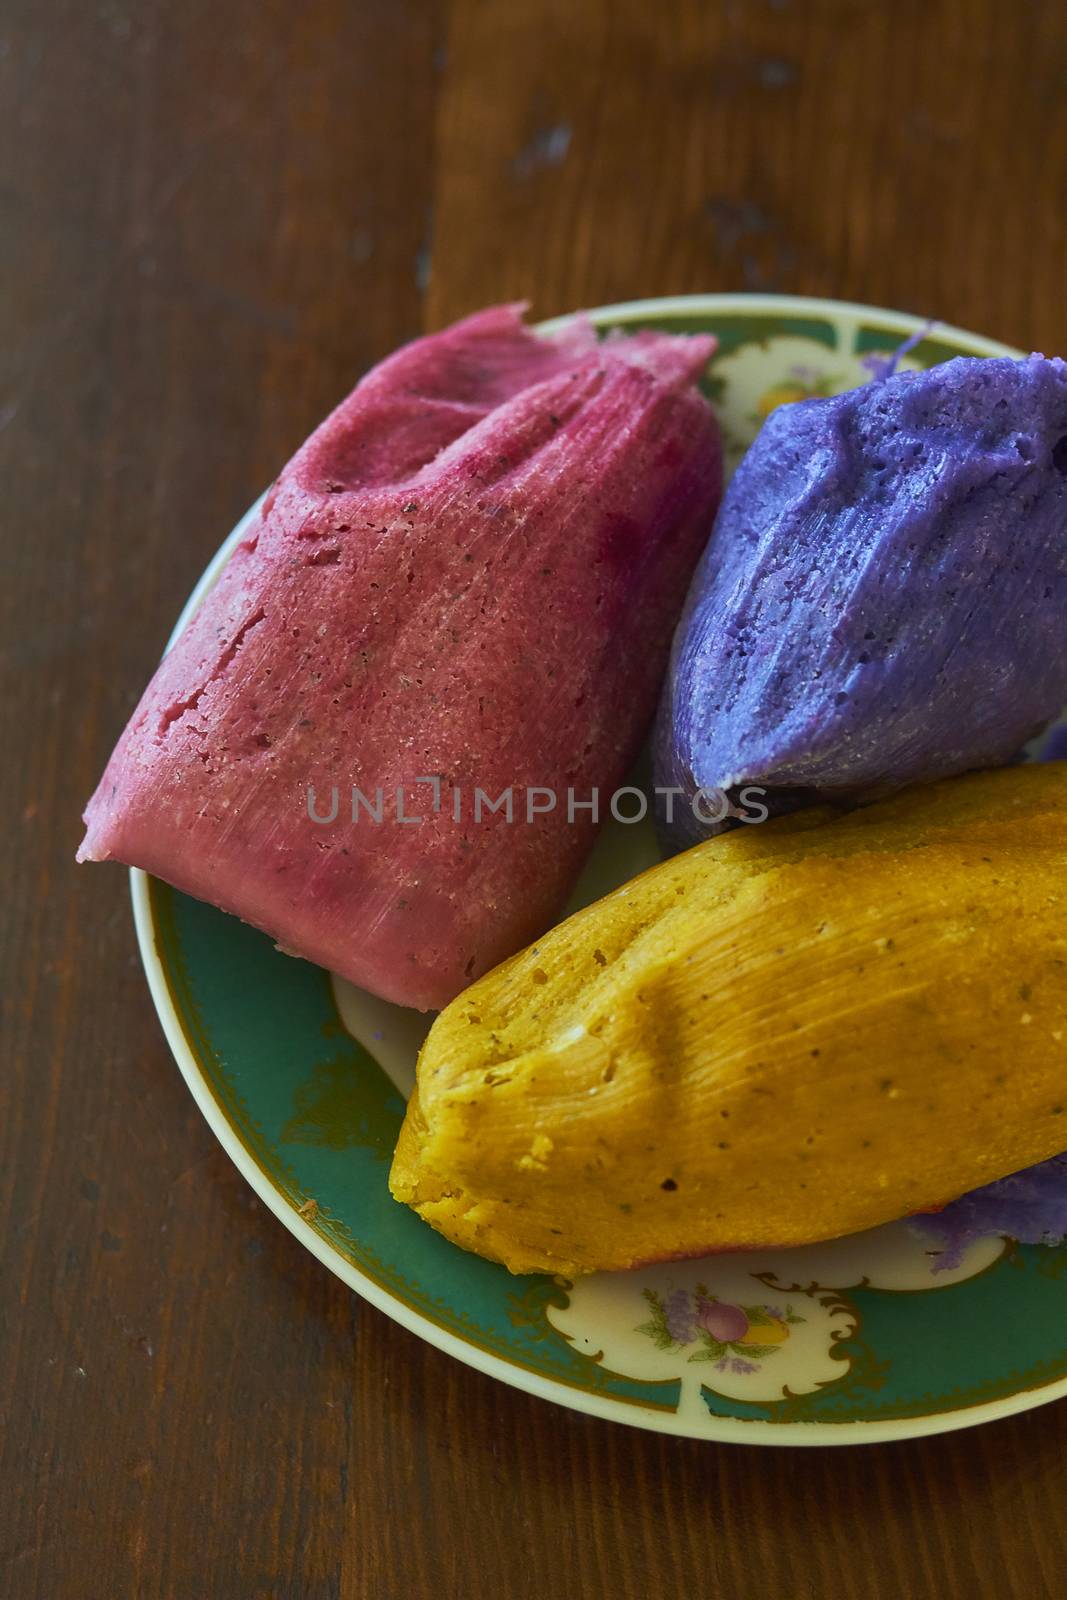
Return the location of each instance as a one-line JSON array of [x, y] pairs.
[[1030, 1206], [882, 599]]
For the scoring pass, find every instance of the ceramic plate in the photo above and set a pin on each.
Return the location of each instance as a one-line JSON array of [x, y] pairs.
[[303, 1080]]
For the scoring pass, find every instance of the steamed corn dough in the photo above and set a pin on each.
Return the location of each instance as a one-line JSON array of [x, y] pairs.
[[783, 1035], [466, 578]]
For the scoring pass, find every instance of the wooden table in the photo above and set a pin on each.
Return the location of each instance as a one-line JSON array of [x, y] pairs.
[[217, 216]]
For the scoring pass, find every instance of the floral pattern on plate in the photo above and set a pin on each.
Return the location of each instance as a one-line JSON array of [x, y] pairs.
[[759, 1325], [750, 382]]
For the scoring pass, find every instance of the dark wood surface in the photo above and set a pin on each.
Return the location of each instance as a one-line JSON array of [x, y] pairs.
[[216, 215]]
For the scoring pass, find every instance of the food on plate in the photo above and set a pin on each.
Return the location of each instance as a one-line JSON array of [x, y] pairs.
[[882, 600], [466, 580], [785, 1034], [1029, 1206]]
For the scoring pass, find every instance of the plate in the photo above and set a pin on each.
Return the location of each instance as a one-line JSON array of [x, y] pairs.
[[303, 1080]]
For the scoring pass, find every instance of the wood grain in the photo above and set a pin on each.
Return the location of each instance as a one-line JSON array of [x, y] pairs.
[[216, 216]]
